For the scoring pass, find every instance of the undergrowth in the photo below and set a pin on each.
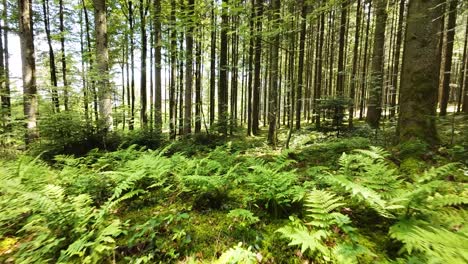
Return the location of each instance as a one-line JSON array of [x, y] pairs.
[[228, 205]]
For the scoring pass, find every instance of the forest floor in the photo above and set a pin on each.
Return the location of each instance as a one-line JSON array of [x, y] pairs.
[[356, 198]]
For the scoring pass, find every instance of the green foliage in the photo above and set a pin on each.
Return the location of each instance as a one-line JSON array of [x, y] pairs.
[[237, 255], [137, 205], [242, 217], [323, 229]]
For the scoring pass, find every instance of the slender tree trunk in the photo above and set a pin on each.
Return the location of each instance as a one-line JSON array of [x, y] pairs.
[[396, 58], [463, 83], [189, 69], [258, 60], [6, 93], [83, 71], [452, 18], [30, 104], [300, 72], [250, 70], [354, 75], [318, 70], [102, 62], [144, 50], [63, 57], [273, 91], [419, 79], [131, 124], [341, 55], [198, 85], [157, 66], [374, 108], [212, 64], [172, 92], [235, 73], [223, 64], [365, 67], [91, 61], [52, 67]]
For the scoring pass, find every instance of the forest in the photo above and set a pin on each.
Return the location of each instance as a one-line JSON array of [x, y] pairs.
[[234, 131]]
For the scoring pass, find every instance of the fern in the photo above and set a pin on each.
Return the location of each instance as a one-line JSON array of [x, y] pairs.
[[436, 243]]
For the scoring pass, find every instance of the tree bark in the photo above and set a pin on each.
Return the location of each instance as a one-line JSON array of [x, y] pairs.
[[157, 68], [396, 58], [258, 60], [300, 70], [419, 79], [354, 75], [63, 57], [452, 18], [30, 104], [189, 68], [102, 61], [6, 93], [273, 91], [374, 108], [223, 64], [52, 67], [144, 51]]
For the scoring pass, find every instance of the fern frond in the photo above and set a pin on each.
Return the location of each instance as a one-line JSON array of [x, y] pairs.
[[319, 206], [439, 172]]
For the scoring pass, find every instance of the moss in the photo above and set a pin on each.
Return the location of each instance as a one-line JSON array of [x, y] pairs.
[[412, 166]]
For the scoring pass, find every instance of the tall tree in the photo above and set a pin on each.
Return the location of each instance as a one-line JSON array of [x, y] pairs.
[[189, 68], [419, 78], [450, 37], [212, 64], [223, 64], [258, 61], [273, 91], [464, 74], [102, 62], [52, 67], [374, 108], [300, 70], [144, 52], [63, 56], [157, 66], [30, 104], [354, 75], [396, 58], [5, 92], [132, 65], [172, 88]]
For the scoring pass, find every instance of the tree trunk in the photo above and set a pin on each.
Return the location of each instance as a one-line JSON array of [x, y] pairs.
[[223, 64], [157, 68], [198, 86], [300, 71], [374, 108], [396, 58], [273, 91], [452, 18], [64, 60], [365, 67], [30, 104], [6, 93], [464, 76], [131, 124], [144, 50], [189, 68], [419, 79], [258, 60], [318, 70], [354, 77], [102, 62], [52, 67], [172, 92], [212, 64]]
